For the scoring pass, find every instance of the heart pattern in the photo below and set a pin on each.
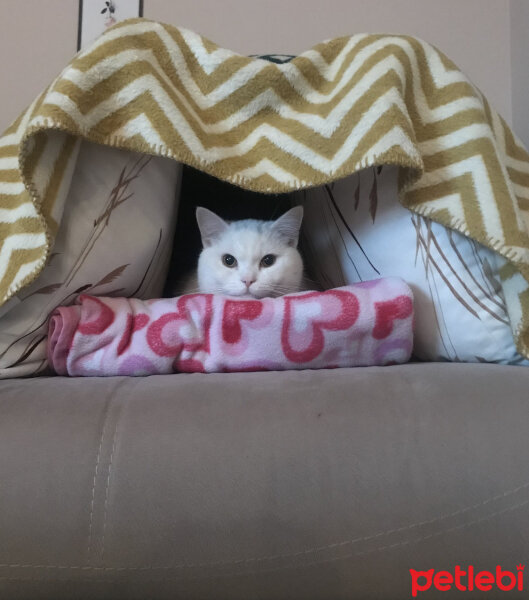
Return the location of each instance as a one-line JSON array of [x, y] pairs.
[[356, 325], [302, 335], [134, 323], [387, 312], [98, 316], [234, 312], [186, 329]]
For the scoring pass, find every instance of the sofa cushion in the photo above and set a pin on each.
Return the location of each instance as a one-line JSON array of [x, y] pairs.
[[299, 484], [115, 238]]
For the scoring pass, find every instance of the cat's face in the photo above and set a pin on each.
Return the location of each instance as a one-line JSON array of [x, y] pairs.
[[250, 258]]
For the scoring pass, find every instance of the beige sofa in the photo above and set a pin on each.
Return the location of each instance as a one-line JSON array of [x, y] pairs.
[[309, 484]]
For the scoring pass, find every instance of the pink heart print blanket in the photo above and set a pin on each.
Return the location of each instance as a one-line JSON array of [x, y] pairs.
[[369, 323]]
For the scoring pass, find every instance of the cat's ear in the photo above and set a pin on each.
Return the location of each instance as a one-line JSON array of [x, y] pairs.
[[288, 225], [211, 225]]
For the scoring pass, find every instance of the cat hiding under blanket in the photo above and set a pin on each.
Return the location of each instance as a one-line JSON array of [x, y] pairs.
[[249, 258]]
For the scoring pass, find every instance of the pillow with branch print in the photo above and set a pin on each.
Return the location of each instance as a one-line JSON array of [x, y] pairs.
[[115, 239], [356, 229]]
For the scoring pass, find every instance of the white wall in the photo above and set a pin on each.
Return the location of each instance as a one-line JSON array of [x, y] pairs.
[[38, 37], [520, 68]]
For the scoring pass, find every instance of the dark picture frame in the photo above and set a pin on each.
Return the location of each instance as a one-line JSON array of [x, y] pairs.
[[80, 20]]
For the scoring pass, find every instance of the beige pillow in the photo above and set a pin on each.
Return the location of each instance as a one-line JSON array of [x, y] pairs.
[[115, 238]]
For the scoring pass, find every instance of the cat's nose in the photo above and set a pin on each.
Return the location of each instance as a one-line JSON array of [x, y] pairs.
[[248, 282]]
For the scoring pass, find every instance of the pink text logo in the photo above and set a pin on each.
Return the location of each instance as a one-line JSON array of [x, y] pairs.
[[468, 580]]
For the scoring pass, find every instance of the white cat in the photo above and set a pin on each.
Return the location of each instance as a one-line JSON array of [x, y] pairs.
[[248, 258]]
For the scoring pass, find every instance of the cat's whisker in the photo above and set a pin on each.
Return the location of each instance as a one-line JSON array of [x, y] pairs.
[[310, 284], [285, 289]]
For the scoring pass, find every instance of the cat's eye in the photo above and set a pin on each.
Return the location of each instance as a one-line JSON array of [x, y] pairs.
[[268, 260], [229, 261]]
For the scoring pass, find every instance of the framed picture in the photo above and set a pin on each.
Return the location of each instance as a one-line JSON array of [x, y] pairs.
[[97, 15]]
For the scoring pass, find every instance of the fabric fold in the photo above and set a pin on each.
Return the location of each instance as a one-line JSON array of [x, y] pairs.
[[369, 323], [62, 327], [345, 105]]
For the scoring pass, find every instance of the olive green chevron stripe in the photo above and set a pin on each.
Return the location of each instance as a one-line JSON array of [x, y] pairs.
[[19, 258], [164, 60], [453, 186], [14, 201], [267, 79], [311, 138], [50, 194], [344, 105], [9, 151], [475, 149], [519, 177], [9, 175]]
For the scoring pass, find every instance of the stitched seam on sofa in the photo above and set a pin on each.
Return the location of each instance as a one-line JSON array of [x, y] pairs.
[[111, 412], [244, 573], [98, 459], [105, 509], [311, 550]]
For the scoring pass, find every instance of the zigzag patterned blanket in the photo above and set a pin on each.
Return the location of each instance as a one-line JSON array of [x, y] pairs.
[[342, 106]]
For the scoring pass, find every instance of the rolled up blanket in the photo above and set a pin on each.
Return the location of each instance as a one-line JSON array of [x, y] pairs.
[[364, 324]]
